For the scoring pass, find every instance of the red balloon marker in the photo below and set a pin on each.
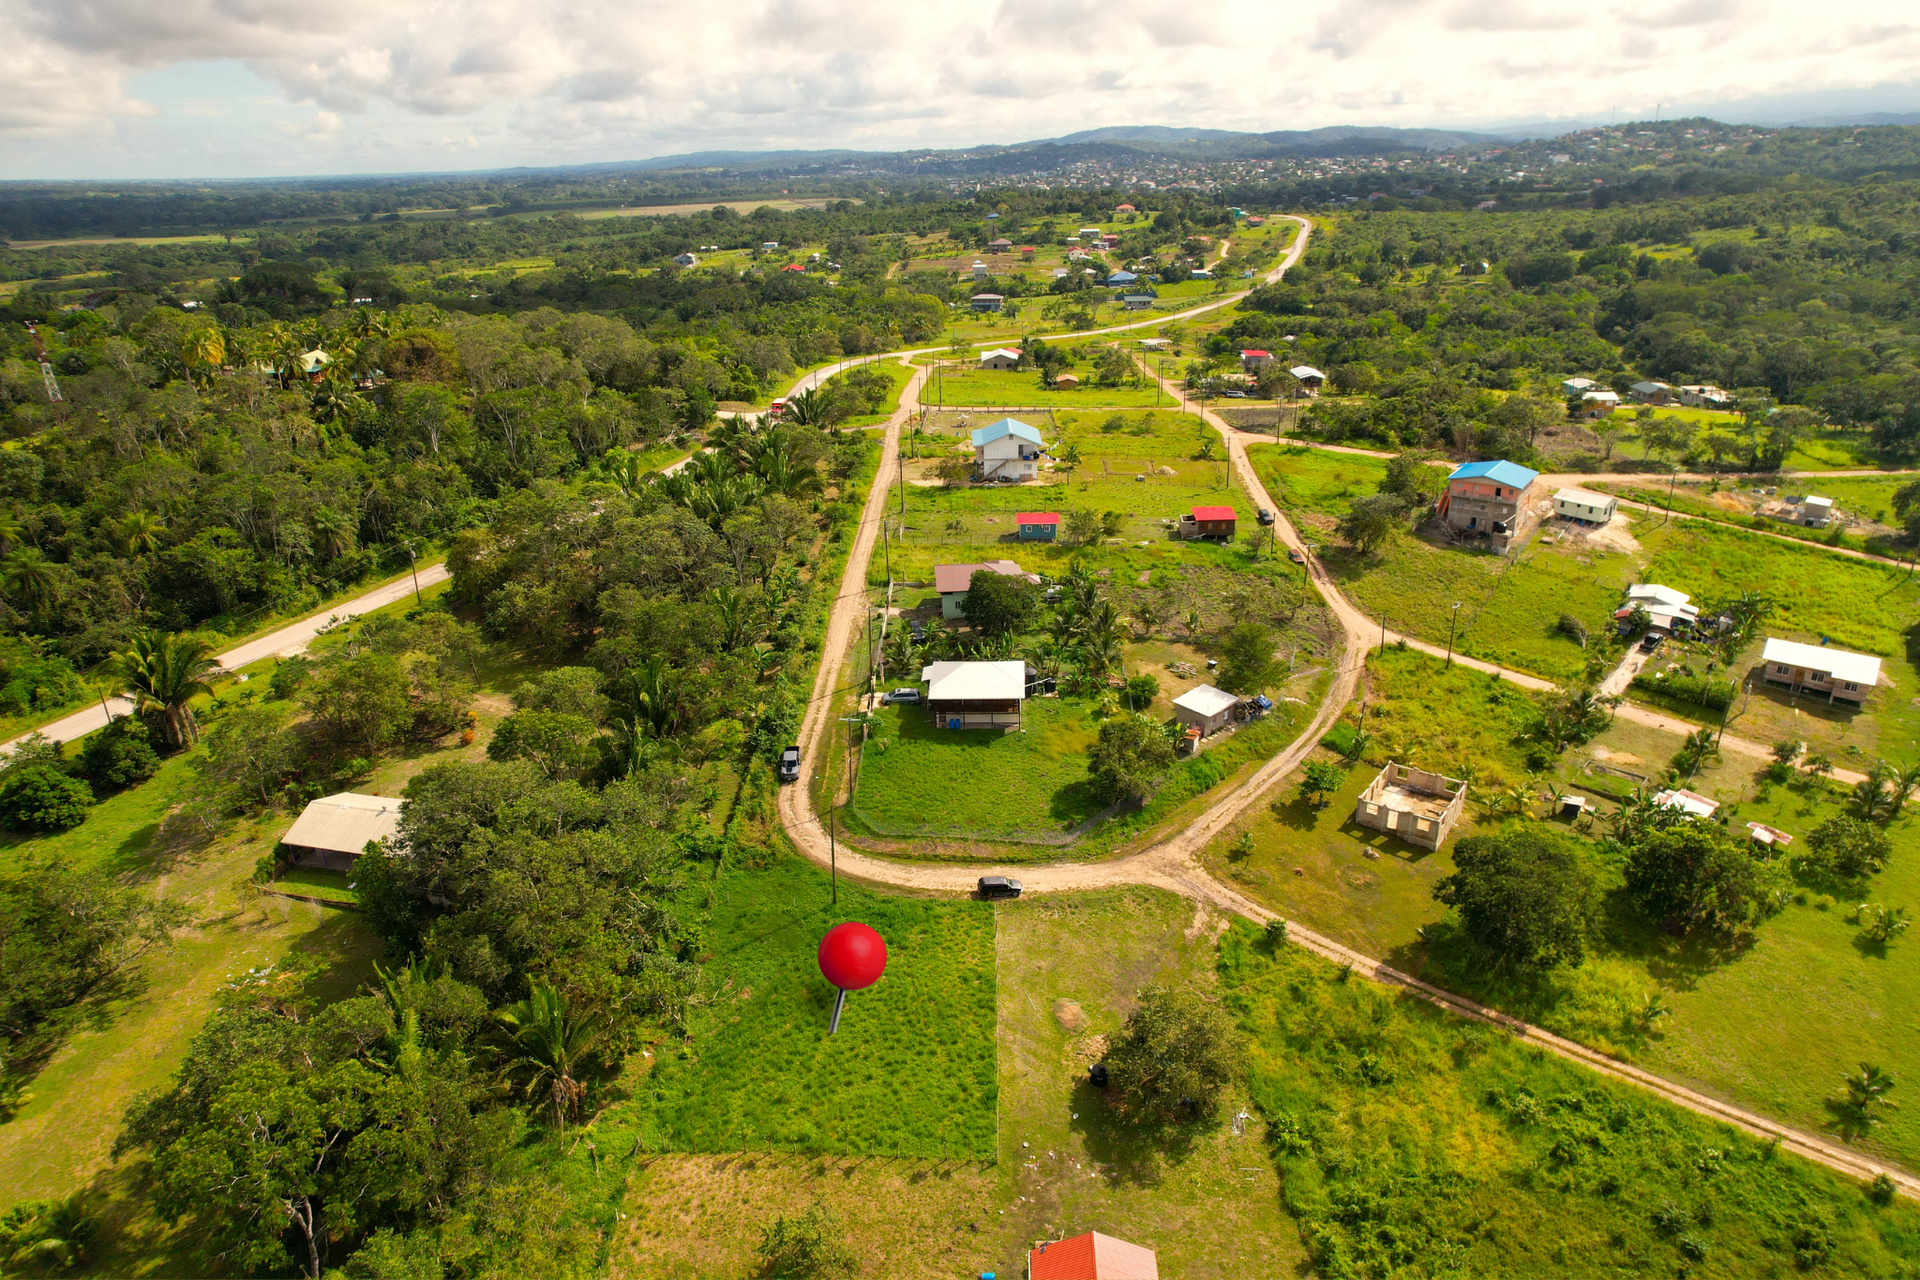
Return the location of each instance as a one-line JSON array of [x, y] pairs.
[[852, 958]]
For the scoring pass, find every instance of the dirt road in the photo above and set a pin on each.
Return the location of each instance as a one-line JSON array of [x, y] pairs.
[[1174, 864]]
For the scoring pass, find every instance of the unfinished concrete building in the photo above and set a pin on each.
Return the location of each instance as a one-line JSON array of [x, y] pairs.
[[1412, 804]]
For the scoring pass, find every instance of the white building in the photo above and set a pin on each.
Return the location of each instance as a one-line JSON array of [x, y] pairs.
[[1003, 359], [1578, 386], [1691, 803], [1668, 609], [975, 695], [1008, 450], [1815, 511], [1586, 505], [1816, 668], [1205, 708], [685, 260]]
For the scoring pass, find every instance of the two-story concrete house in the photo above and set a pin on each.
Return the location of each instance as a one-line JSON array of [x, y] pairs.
[[1490, 498], [1007, 450]]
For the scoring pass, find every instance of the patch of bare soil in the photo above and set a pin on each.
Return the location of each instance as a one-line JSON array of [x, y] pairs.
[[1069, 1014], [1615, 536]]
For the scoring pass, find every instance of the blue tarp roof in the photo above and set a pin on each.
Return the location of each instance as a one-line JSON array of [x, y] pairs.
[[1006, 427], [1507, 473]]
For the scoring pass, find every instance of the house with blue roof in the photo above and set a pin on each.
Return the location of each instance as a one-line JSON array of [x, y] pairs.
[[1008, 450], [1492, 500]]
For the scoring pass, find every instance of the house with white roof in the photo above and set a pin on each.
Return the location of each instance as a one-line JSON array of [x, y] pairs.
[[1584, 505], [1310, 378], [1598, 404], [1578, 386], [1691, 803], [1004, 358], [1815, 511], [1819, 669], [1007, 450], [1668, 610], [975, 695], [685, 260], [1205, 708]]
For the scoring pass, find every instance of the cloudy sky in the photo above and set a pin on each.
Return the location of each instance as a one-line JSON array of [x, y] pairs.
[[233, 88]]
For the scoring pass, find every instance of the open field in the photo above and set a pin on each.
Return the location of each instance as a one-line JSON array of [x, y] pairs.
[[919, 779], [911, 1072], [965, 386], [1403, 1134], [1067, 971], [1743, 1026]]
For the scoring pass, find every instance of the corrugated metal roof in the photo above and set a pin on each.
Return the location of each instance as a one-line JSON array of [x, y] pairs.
[[1213, 513], [1585, 496], [1500, 472], [1205, 700], [1036, 517], [954, 681], [1838, 663], [1092, 1257], [344, 823], [958, 577], [1006, 427]]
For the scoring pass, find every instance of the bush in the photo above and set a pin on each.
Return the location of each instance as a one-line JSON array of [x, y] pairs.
[[118, 756], [804, 1247], [30, 681], [1705, 691], [41, 797], [1177, 1051]]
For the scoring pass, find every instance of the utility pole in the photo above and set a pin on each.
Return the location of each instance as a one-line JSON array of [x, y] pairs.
[[1450, 626], [414, 564], [1383, 631], [833, 850], [1673, 476]]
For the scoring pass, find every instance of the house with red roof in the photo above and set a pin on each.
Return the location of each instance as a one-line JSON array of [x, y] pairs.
[[1038, 526], [793, 266], [1208, 522], [1091, 1257], [1253, 360]]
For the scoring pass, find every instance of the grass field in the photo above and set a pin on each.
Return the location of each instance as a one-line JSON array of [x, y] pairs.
[[317, 882], [1315, 480], [1067, 970], [962, 385], [1413, 1144], [917, 779], [1743, 1025], [911, 1072]]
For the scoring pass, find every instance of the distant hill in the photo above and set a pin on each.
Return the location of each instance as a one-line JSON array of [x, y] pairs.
[[1226, 144]]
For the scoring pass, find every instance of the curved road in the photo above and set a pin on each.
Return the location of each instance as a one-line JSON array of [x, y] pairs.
[[1174, 864], [290, 639]]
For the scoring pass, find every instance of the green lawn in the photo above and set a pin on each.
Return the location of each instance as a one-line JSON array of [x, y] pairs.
[[1315, 480], [911, 1072], [916, 779], [962, 385], [1412, 1143], [317, 882]]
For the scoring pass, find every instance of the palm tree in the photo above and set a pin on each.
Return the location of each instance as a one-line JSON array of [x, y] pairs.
[[729, 605], [138, 533], [53, 1236], [648, 697], [12, 532], [333, 533], [28, 576], [546, 1045], [621, 467], [169, 671], [1866, 1089]]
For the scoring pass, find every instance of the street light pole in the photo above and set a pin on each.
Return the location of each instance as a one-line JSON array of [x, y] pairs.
[[1450, 626]]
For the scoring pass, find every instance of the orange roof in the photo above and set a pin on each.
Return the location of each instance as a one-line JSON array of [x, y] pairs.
[[1092, 1257]]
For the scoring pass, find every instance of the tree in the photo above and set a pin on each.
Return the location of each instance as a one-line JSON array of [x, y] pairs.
[[250, 750], [560, 745], [46, 1235], [1000, 604], [1524, 896], [1083, 527], [41, 797], [807, 1246], [1319, 778], [364, 701], [548, 1046], [953, 469], [1141, 690], [1177, 1051], [168, 672], [1692, 875], [1847, 848], [1246, 659], [118, 756], [1130, 753], [1864, 1091], [1413, 479], [1370, 521]]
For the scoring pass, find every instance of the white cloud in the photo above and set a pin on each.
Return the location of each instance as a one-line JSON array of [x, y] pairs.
[[595, 79]]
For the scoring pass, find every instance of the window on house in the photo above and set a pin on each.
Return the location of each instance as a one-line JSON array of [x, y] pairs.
[[1852, 687], [1820, 676], [1781, 670]]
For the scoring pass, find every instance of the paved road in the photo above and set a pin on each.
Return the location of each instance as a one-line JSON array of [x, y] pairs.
[[290, 639]]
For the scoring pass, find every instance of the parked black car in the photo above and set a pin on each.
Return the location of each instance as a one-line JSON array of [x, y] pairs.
[[999, 887], [1650, 642], [790, 765], [1264, 516]]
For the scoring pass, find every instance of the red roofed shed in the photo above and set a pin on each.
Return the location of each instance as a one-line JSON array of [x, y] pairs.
[[1092, 1257], [1038, 526], [793, 266]]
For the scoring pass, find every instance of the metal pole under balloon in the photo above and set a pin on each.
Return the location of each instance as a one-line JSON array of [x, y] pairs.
[[839, 1003]]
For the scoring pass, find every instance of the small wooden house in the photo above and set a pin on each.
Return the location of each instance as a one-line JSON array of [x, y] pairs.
[[1038, 526], [334, 830]]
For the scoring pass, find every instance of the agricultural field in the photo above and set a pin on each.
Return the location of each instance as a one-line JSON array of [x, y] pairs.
[[964, 385], [1741, 1025]]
